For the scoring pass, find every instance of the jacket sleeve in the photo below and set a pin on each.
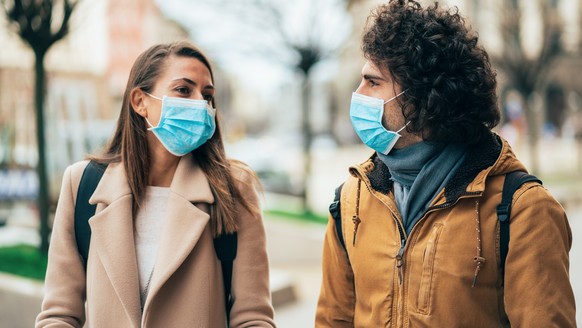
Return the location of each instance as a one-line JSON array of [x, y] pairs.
[[537, 283], [336, 303], [64, 300], [250, 278]]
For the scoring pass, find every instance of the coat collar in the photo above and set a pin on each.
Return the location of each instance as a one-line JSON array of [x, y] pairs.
[[112, 229], [113, 184], [190, 182], [491, 156]]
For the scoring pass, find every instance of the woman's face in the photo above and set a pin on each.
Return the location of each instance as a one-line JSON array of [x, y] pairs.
[[182, 77]]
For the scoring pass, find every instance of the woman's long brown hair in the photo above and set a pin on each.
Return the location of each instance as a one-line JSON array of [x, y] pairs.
[[129, 144]]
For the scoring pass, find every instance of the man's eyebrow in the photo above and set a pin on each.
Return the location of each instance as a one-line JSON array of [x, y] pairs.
[[373, 77]]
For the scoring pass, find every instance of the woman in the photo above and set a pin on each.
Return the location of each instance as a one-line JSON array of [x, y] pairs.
[[168, 189]]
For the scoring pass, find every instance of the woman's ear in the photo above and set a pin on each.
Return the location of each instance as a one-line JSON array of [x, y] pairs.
[[137, 100]]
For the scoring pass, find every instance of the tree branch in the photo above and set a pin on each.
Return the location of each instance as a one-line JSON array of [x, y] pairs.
[[68, 7]]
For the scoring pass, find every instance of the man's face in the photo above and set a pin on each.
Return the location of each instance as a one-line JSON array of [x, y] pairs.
[[379, 84]]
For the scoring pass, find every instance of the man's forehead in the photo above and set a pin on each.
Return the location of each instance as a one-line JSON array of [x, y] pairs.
[[372, 69]]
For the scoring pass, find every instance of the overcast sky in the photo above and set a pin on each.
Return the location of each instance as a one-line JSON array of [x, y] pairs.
[[237, 39]]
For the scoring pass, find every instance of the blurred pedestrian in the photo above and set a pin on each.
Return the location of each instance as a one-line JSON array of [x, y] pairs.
[[414, 238], [167, 195]]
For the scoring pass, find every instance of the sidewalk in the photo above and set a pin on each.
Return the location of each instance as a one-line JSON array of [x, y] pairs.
[[294, 248]]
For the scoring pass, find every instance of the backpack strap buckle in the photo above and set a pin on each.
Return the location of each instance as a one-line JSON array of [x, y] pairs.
[[503, 211]]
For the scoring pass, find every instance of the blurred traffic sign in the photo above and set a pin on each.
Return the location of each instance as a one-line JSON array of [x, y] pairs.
[[18, 184]]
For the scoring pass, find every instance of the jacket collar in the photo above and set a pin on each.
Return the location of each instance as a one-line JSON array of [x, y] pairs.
[[491, 156]]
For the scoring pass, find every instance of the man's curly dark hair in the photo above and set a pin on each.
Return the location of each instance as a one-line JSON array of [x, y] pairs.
[[450, 85]]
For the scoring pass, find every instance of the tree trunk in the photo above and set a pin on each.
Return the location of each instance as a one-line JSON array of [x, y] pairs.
[[43, 196], [532, 133], [333, 114], [307, 139]]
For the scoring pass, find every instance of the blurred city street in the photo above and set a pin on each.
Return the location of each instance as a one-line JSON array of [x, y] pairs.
[[283, 73]]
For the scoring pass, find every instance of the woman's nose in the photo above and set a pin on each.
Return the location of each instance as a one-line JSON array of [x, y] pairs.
[[197, 94]]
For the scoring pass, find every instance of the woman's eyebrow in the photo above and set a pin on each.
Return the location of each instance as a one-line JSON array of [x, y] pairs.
[[187, 80]]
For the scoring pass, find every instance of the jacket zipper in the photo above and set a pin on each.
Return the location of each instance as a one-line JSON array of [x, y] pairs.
[[432, 209], [403, 248], [403, 238], [400, 261]]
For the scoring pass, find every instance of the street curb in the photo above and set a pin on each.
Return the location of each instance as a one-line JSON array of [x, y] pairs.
[[20, 300], [16, 284], [282, 288]]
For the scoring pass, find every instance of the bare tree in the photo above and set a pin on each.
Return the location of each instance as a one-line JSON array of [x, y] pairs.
[[40, 23], [266, 31], [308, 47], [527, 73]]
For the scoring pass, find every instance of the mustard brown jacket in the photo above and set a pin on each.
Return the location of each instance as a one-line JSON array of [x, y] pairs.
[[390, 279], [186, 288]]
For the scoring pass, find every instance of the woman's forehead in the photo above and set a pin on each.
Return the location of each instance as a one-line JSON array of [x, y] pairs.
[[183, 68]]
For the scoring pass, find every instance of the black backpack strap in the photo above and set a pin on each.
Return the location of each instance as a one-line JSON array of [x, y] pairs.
[[513, 181], [225, 246], [336, 214], [83, 210]]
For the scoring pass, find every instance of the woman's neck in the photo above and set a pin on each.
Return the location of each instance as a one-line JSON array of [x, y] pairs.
[[162, 166]]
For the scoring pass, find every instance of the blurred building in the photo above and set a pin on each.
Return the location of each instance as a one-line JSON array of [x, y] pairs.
[[86, 74]]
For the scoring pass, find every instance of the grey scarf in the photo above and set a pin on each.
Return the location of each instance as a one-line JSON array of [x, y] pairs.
[[419, 173]]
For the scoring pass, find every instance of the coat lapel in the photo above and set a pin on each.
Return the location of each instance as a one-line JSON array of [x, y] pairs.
[[185, 222], [113, 237]]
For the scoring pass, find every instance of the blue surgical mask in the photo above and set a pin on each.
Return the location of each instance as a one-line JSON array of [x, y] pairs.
[[366, 116], [185, 124]]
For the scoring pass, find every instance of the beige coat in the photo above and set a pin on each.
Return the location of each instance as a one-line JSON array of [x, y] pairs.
[[186, 288], [428, 283]]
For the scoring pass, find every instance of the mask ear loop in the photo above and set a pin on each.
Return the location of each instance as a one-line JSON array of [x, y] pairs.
[[398, 95], [149, 94], [405, 125], [148, 121]]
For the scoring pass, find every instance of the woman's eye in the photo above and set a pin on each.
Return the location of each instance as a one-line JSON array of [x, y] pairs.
[[208, 98], [183, 90], [373, 83]]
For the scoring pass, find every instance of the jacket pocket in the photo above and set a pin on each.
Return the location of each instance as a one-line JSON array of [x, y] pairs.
[[424, 291]]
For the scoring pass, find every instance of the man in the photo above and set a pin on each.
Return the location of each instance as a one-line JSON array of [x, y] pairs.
[[419, 236]]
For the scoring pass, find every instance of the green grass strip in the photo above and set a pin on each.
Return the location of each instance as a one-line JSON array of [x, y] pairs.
[[23, 260], [309, 216]]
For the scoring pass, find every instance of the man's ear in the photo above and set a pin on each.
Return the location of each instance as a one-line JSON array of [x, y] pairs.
[[137, 100]]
